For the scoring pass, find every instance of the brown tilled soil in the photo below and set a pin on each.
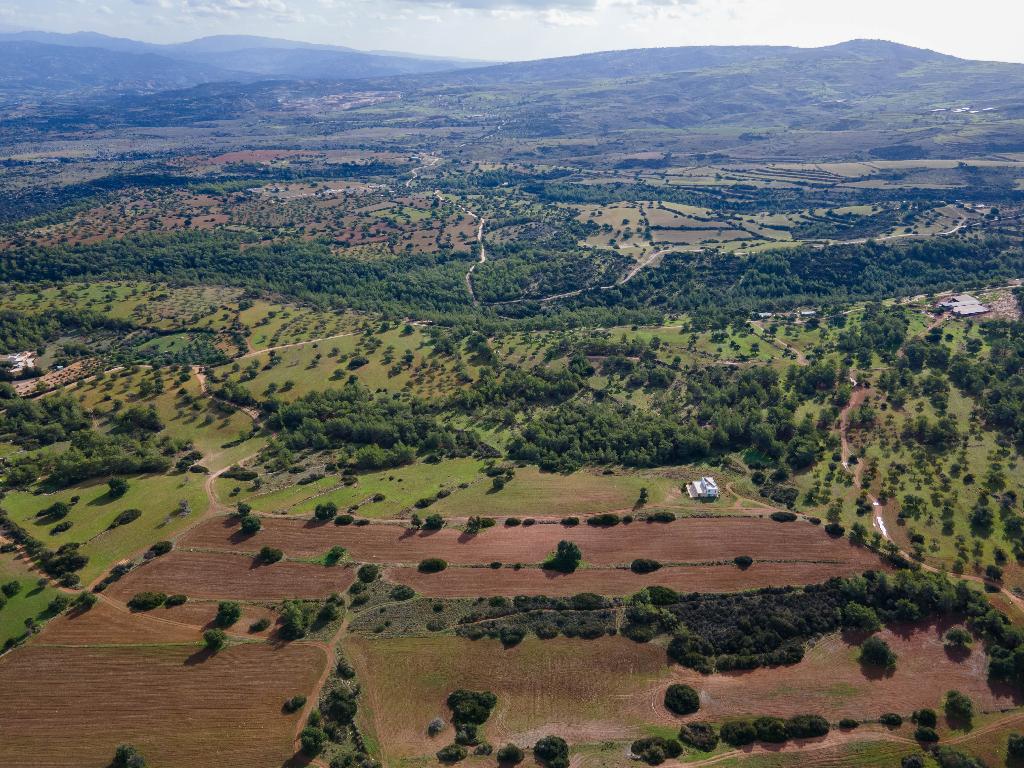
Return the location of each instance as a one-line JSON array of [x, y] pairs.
[[213, 576], [181, 707], [485, 582], [107, 624], [688, 540]]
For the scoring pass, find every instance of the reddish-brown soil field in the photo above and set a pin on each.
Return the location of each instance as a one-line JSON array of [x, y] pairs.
[[688, 540], [181, 707], [210, 576], [612, 688], [108, 624], [485, 582]]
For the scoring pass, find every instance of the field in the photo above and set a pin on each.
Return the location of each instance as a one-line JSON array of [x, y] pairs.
[[97, 697]]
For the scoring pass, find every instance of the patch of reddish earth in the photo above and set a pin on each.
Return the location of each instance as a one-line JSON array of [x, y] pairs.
[[214, 576], [487, 582], [69, 707], [688, 540]]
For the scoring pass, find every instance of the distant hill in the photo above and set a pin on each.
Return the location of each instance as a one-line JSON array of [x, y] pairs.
[[40, 64]]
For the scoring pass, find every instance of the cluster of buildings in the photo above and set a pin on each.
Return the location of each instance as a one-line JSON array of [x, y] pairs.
[[963, 305], [17, 362]]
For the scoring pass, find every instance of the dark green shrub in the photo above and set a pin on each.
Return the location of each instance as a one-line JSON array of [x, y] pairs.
[[161, 548], [807, 726], [605, 520], [771, 729], [644, 565], [402, 592], [660, 517], [876, 652], [453, 753], [228, 612], [1015, 746], [128, 516], [699, 735], [325, 511], [368, 573], [552, 751], [848, 723], [738, 733], [215, 639], [926, 734], [11, 588], [345, 519], [566, 558], [783, 517], [569, 522], [655, 750], [147, 601], [925, 717], [117, 487], [313, 740], [958, 706], [295, 703], [681, 699], [743, 561], [891, 719], [433, 522], [510, 754], [173, 600], [270, 555], [127, 756], [835, 530], [250, 524], [432, 565], [259, 625]]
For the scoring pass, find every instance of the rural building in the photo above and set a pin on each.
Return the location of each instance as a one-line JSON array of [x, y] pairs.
[[705, 488], [17, 362], [963, 305]]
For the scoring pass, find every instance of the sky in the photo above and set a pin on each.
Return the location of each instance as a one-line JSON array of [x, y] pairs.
[[527, 29]]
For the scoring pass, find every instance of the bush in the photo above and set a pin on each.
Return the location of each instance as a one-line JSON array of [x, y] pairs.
[[566, 559], [325, 511], [511, 522], [433, 523], [552, 751], [270, 555], [924, 733], [228, 612], [644, 565], [453, 753], [161, 548], [127, 756], [807, 726], [912, 761], [958, 706], [128, 516], [215, 639], [681, 699], [259, 625], [958, 637], [295, 703], [432, 565], [250, 524], [1015, 746], [783, 517], [11, 588], [654, 750], [605, 520], [891, 719], [510, 754], [402, 592], [738, 733], [117, 487], [345, 519], [368, 573], [835, 530], [876, 652], [947, 757], [699, 735], [743, 561], [771, 729], [660, 517], [313, 740], [173, 600], [848, 723], [147, 601], [925, 717]]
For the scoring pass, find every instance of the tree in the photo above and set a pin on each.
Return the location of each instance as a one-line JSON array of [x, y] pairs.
[[510, 754], [325, 511], [566, 559], [681, 699], [1015, 746], [250, 525], [117, 487], [215, 639], [127, 756], [270, 555], [876, 652], [552, 751], [958, 637], [228, 612], [313, 740], [958, 706]]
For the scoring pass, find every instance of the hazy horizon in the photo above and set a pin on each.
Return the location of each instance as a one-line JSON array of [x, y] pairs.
[[505, 30]]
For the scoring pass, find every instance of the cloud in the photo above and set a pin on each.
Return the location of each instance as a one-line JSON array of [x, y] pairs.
[[512, 5], [273, 9]]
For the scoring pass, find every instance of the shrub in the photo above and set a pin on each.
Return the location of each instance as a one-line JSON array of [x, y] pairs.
[[435, 726], [891, 719], [61, 527], [660, 517], [924, 733], [11, 588], [947, 757], [771, 729], [783, 517], [1015, 746], [569, 522], [912, 761], [83, 602], [402, 592], [334, 554], [250, 524], [510, 754], [511, 635], [552, 751], [743, 561], [807, 726], [738, 733], [605, 520], [345, 519], [161, 548], [128, 516], [295, 618], [325, 511], [566, 559], [958, 706], [876, 652], [173, 600], [295, 703], [127, 756], [432, 565], [270, 555], [228, 612], [433, 522], [654, 750], [857, 616], [117, 487], [313, 740], [835, 530], [681, 699], [147, 601], [453, 753], [259, 625], [511, 522], [644, 565], [848, 723], [699, 735], [925, 717], [958, 637], [215, 639]]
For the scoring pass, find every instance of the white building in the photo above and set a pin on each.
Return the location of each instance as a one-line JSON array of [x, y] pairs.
[[705, 488], [963, 305], [18, 362]]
